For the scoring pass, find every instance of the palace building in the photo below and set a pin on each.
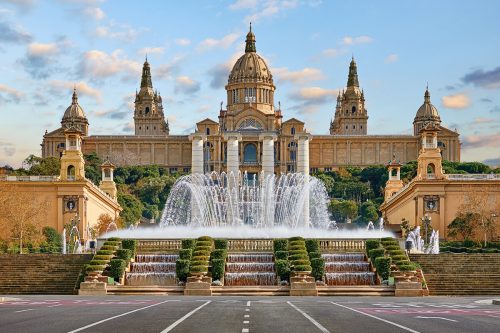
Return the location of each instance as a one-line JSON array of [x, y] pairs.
[[250, 133]]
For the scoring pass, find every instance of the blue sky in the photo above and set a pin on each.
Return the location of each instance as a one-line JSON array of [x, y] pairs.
[[47, 47]]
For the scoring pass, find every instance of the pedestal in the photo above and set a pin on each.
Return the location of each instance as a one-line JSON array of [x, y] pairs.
[[92, 289], [199, 288], [303, 289], [408, 289]]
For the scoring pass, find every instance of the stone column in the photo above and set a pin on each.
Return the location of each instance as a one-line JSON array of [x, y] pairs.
[[233, 162], [267, 153], [303, 167], [197, 140]]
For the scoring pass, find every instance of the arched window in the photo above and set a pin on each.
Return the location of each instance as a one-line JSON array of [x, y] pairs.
[[292, 147], [70, 172], [250, 153], [208, 131], [431, 169], [353, 109], [394, 172], [147, 109], [292, 131]]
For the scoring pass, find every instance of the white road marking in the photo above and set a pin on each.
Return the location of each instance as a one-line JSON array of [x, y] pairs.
[[24, 310], [378, 318], [311, 319], [249, 303], [422, 317], [247, 309], [53, 306], [494, 316], [114, 317], [245, 330], [180, 320], [246, 316], [246, 322]]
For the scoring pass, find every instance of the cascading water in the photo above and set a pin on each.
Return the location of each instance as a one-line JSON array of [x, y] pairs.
[[346, 269], [218, 200], [152, 269], [250, 269]]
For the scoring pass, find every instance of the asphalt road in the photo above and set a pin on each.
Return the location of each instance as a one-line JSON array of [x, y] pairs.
[[248, 314]]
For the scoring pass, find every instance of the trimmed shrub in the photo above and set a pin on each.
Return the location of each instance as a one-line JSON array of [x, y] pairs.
[[114, 239], [95, 268], [197, 253], [298, 257], [383, 266], [200, 258], [219, 254], [297, 248], [117, 267], [392, 247], [218, 268], [302, 268], [383, 239], [202, 262], [396, 253], [371, 244], [185, 254], [108, 248], [124, 254], [188, 243], [402, 262], [198, 269], [182, 269], [205, 239], [304, 252], [296, 238], [130, 244], [220, 244], [105, 252], [313, 255], [112, 243], [295, 243], [312, 245], [282, 269], [204, 243], [410, 267], [473, 250], [103, 257], [398, 258], [203, 248], [280, 245], [318, 268], [300, 262], [375, 253], [95, 262], [281, 255], [444, 249]]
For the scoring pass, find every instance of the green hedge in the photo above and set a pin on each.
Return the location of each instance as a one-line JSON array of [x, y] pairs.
[[375, 253], [95, 262], [112, 243], [295, 243], [188, 243], [294, 252], [105, 252], [302, 268], [410, 267], [298, 257], [205, 239], [398, 258], [318, 268], [130, 244], [204, 243], [95, 268], [124, 254], [202, 262], [402, 262], [280, 245], [312, 245], [297, 248], [182, 269], [200, 253], [392, 247], [300, 262], [219, 254], [296, 238], [313, 255], [396, 253], [198, 269], [220, 244], [218, 268], [281, 255], [203, 248], [117, 267], [200, 258], [282, 269], [383, 266], [371, 244], [108, 248], [185, 254], [103, 257]]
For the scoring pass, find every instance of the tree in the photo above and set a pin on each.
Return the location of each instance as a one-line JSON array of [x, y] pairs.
[[93, 167], [103, 223], [343, 209], [22, 214], [377, 176], [38, 166], [368, 212], [327, 180], [132, 208], [463, 225]]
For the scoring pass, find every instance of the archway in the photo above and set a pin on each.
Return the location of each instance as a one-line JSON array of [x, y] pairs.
[[250, 153]]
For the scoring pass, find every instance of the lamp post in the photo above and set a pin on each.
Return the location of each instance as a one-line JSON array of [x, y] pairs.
[[426, 221]]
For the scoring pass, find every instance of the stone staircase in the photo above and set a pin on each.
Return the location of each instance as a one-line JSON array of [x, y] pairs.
[[461, 273], [40, 273]]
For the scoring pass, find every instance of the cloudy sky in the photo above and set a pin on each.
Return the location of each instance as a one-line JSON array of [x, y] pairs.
[[47, 47]]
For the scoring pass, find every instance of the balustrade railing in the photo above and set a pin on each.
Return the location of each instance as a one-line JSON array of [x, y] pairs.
[[158, 245], [342, 245], [250, 245]]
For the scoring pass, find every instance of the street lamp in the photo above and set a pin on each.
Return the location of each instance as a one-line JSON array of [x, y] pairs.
[[426, 221]]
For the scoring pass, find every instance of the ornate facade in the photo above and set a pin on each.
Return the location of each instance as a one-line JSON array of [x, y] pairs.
[[250, 133]]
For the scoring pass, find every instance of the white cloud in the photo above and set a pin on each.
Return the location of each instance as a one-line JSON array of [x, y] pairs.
[[99, 64], [456, 101], [301, 76], [182, 41], [263, 8], [243, 4], [123, 32], [331, 53], [95, 12], [41, 49], [9, 94], [316, 94], [82, 88], [224, 42], [151, 50], [184, 84], [349, 40], [391, 58]]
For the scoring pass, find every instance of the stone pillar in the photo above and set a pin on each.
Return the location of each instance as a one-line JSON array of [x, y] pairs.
[[303, 167], [233, 162], [267, 153], [197, 140]]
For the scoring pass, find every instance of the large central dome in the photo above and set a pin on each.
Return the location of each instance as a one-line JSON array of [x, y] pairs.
[[250, 67]]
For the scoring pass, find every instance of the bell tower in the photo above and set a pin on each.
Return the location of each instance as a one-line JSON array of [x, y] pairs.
[[394, 184], [107, 183], [72, 162], [429, 157], [351, 117], [148, 115]]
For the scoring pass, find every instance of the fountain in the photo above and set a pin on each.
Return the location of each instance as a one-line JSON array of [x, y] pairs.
[[152, 269], [347, 269], [417, 243], [250, 269]]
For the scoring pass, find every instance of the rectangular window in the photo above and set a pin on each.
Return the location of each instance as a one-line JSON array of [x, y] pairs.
[[186, 170], [328, 169], [314, 170], [172, 170]]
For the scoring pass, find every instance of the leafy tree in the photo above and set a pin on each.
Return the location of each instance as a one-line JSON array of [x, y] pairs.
[[327, 180], [368, 212], [377, 176], [132, 208], [463, 225], [93, 167], [344, 209], [49, 166]]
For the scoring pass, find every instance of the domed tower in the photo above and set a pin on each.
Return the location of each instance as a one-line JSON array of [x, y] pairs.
[[148, 115], [351, 117], [74, 117], [426, 114], [250, 85]]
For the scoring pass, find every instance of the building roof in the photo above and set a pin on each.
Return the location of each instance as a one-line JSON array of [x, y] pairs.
[[427, 111], [74, 110]]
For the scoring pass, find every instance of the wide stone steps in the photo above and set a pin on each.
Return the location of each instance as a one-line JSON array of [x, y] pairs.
[[40, 273], [356, 291], [461, 273], [145, 290]]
